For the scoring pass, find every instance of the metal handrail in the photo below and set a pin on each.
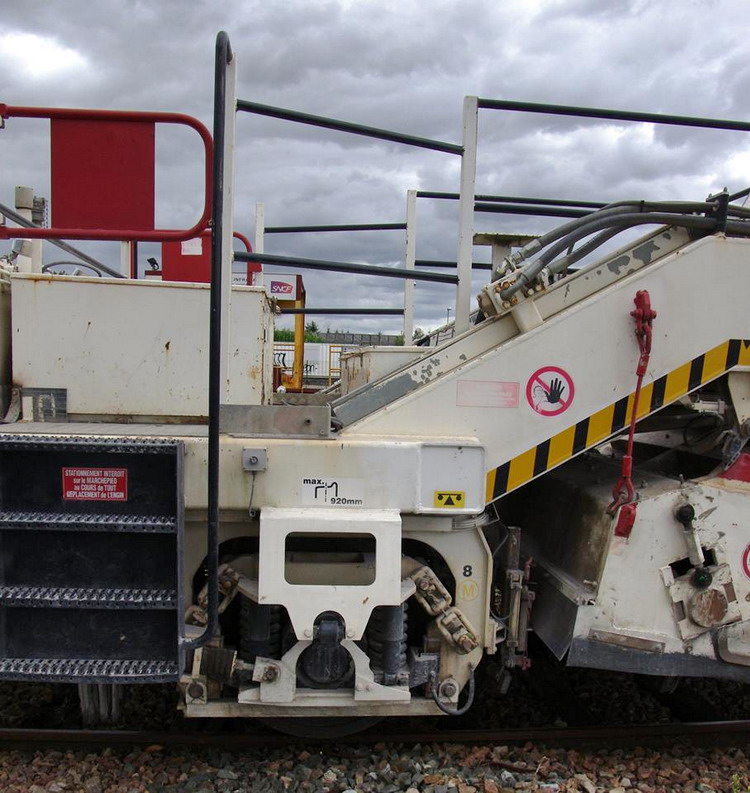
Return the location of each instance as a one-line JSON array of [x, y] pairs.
[[345, 267], [223, 56], [156, 235], [347, 126]]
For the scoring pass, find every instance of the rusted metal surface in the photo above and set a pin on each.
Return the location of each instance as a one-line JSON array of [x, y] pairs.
[[708, 607]]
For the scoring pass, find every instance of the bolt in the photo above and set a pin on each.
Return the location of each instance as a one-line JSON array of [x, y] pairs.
[[270, 673], [308, 633], [195, 690], [350, 634], [529, 293], [466, 643], [423, 585], [449, 689]]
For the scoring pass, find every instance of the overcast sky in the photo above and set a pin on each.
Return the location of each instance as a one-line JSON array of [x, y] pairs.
[[405, 66]]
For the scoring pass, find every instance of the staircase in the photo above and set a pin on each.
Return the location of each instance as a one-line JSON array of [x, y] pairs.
[[90, 541]]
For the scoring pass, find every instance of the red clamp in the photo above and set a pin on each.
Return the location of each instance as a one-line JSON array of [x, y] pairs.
[[623, 493]]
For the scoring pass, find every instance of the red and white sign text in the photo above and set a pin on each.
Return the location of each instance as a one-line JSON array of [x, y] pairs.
[[95, 484]]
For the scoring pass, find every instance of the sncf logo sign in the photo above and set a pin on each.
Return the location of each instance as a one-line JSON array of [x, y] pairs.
[[281, 288]]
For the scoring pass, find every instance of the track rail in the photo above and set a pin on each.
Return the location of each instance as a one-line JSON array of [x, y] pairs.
[[600, 735]]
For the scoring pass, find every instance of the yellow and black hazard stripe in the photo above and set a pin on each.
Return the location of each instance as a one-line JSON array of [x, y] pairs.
[[610, 420]]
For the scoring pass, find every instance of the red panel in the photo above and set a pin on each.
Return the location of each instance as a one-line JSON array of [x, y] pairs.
[[739, 470], [103, 174], [189, 260]]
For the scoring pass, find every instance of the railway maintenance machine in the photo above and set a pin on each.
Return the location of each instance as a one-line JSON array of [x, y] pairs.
[[573, 464]]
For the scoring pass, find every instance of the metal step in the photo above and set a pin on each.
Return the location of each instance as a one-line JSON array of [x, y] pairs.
[[80, 597], [90, 570], [60, 521], [121, 444], [94, 670]]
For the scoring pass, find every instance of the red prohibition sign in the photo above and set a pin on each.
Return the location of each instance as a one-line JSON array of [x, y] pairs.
[[746, 561], [550, 391]]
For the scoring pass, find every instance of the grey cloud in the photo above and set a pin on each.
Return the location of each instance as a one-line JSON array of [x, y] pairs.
[[406, 67]]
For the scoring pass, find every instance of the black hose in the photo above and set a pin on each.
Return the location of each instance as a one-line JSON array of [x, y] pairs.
[[576, 255], [616, 208], [622, 221], [450, 711]]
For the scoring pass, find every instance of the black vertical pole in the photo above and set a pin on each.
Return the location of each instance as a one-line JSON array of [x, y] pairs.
[[223, 57]]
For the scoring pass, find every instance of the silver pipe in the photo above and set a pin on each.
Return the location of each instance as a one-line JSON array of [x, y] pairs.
[[16, 218]]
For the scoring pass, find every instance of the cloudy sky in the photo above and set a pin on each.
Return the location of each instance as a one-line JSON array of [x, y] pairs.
[[403, 65]]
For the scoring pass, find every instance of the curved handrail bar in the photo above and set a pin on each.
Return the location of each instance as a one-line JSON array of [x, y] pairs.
[[157, 235]]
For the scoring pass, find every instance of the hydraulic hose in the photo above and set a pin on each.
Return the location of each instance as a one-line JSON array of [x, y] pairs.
[[531, 272], [562, 264], [690, 221], [617, 208], [584, 250]]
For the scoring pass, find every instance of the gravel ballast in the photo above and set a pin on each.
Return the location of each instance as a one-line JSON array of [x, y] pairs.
[[433, 768]]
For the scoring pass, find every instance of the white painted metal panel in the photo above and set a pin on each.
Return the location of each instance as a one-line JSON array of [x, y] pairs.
[[135, 347], [305, 602], [370, 363], [593, 343]]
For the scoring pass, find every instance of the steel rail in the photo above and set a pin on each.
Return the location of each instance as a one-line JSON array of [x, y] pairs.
[[340, 227], [513, 199], [615, 115], [545, 735], [385, 312], [536, 210], [448, 264], [347, 126], [345, 267]]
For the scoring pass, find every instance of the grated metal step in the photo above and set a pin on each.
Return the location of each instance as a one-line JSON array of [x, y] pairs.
[[93, 670], [90, 558], [64, 521], [114, 445], [86, 597]]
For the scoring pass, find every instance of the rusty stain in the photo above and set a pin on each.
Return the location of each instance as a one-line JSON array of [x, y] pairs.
[[708, 608], [166, 346]]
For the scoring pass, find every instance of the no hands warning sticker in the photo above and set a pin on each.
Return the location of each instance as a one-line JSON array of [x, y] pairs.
[[746, 561], [95, 484], [550, 391]]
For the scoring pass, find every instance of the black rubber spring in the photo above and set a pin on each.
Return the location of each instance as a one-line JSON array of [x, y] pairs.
[[387, 638]]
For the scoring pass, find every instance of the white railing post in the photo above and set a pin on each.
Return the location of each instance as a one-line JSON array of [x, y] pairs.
[[466, 213], [31, 260], [260, 227], [227, 238], [411, 254]]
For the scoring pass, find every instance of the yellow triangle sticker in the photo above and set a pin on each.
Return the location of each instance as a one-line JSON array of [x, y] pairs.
[[449, 499]]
